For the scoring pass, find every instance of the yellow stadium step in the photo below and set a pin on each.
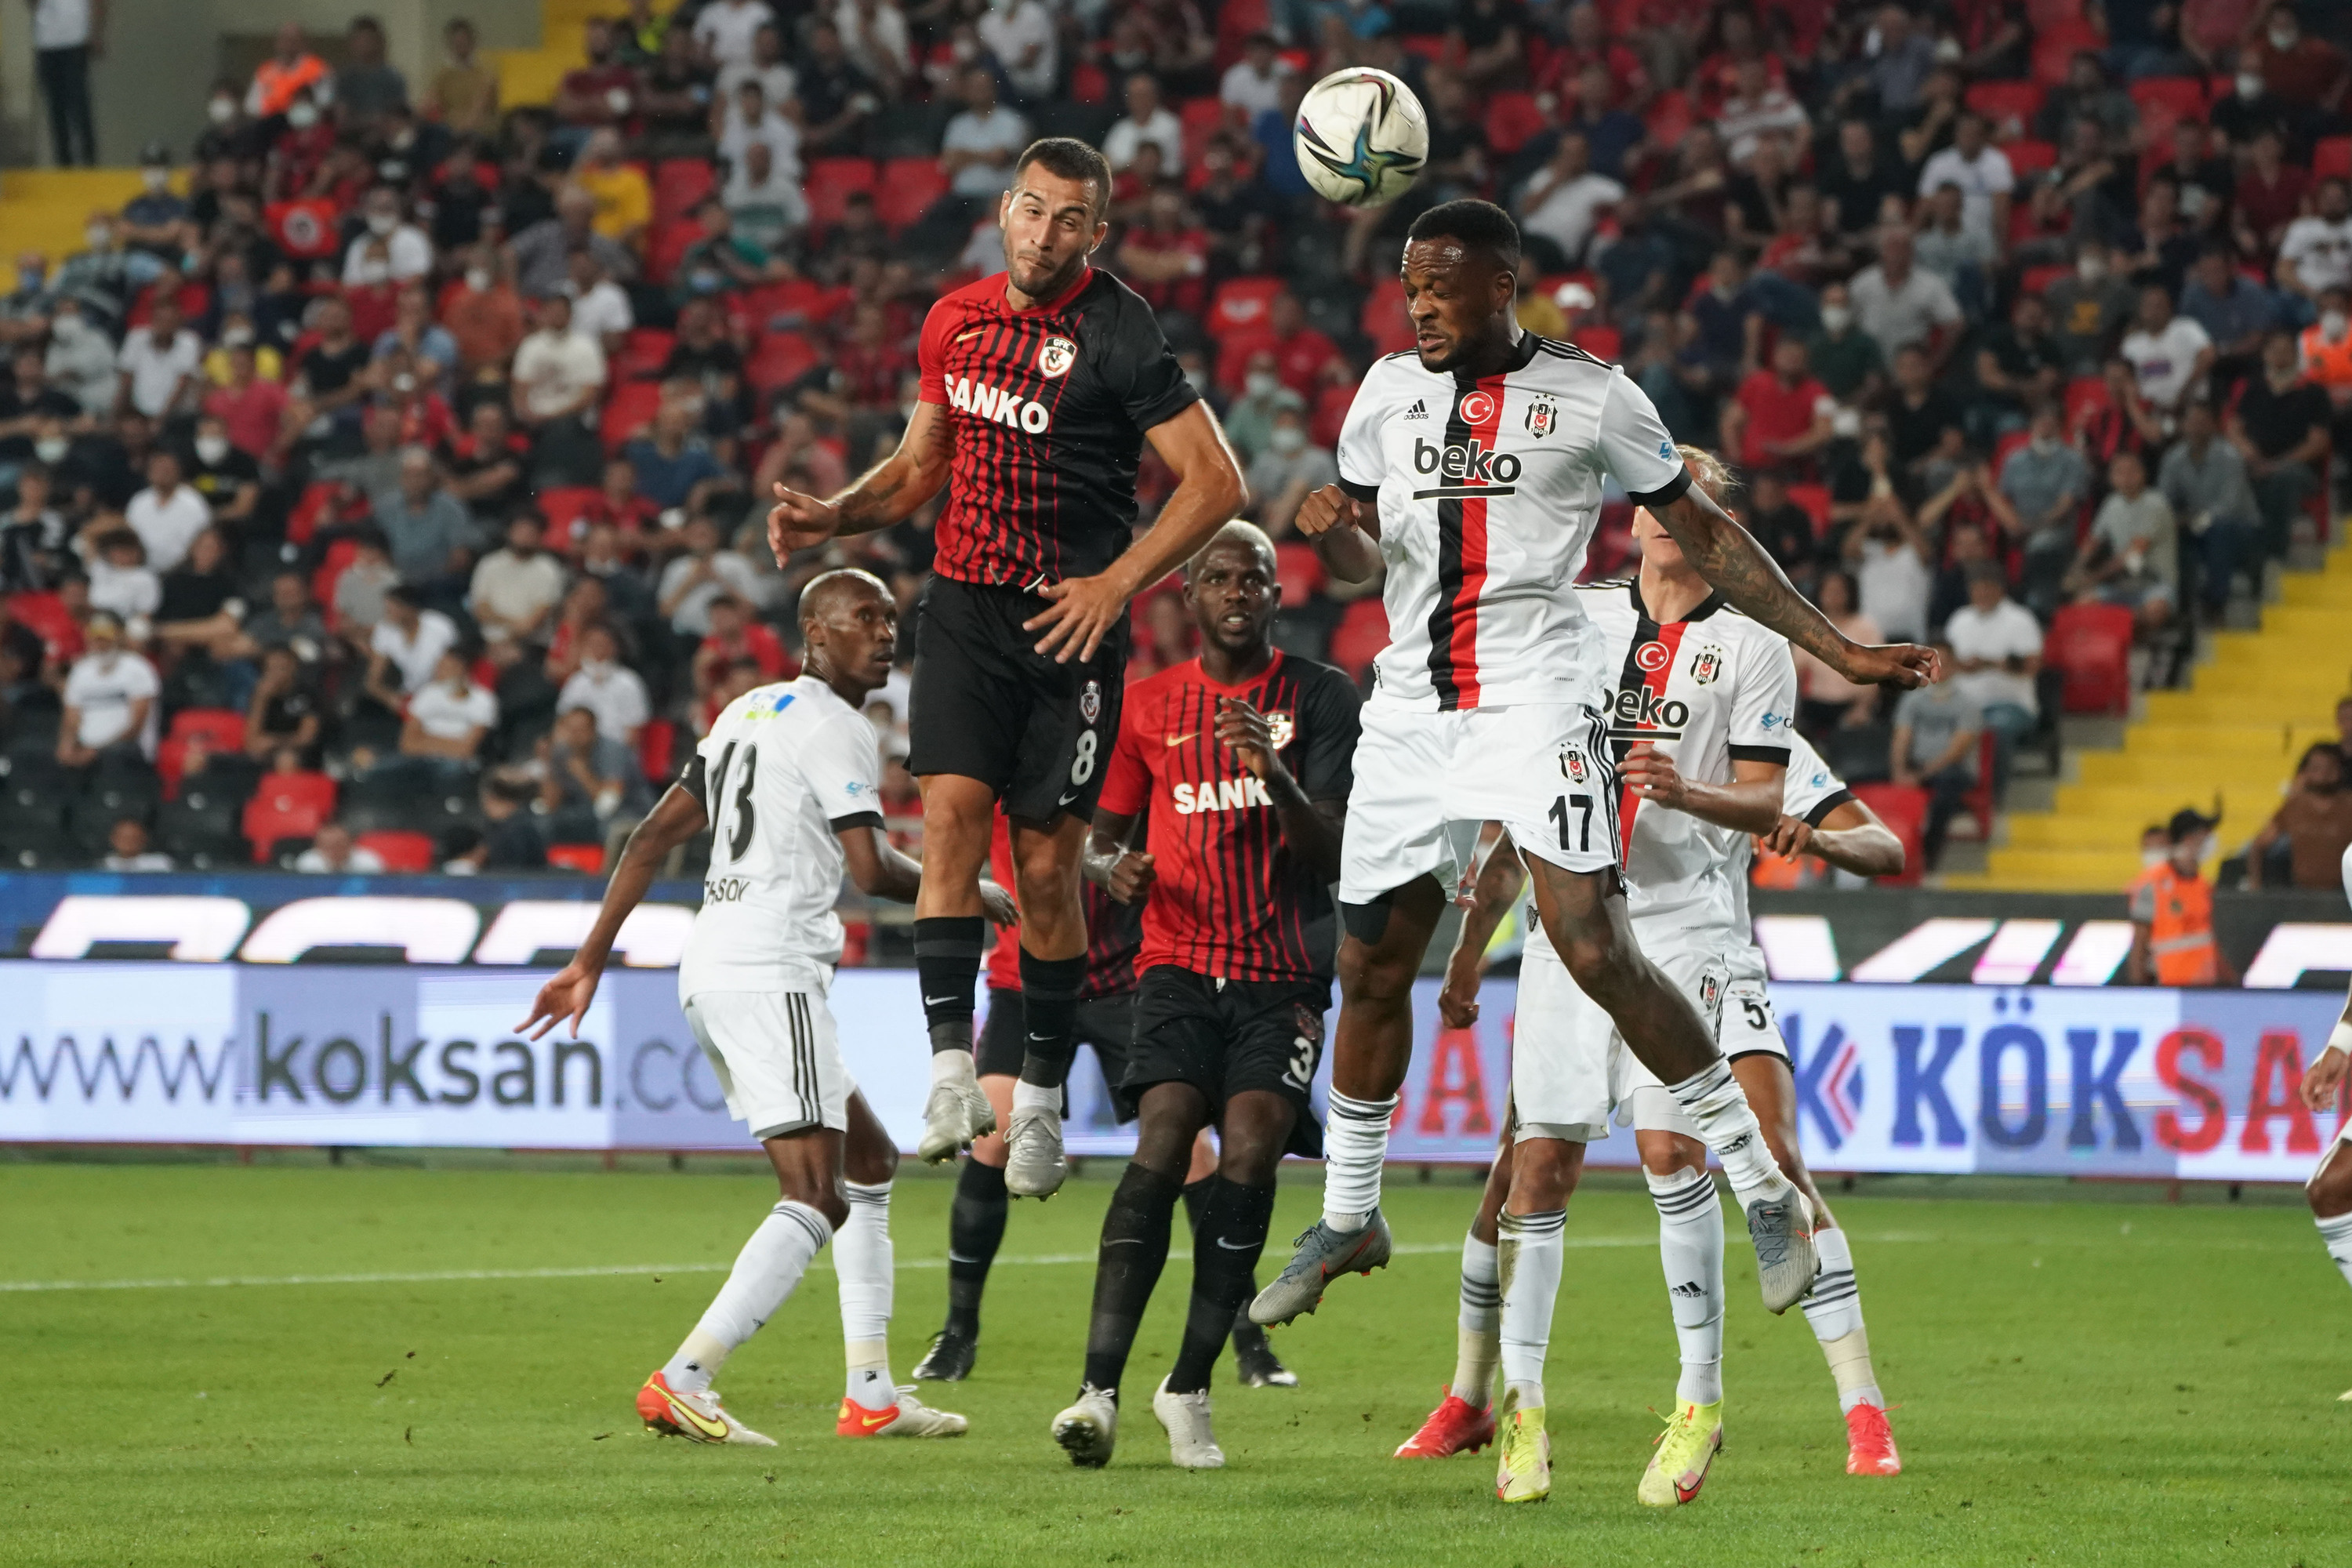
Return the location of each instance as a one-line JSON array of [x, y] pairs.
[[578, 12], [2203, 771], [45, 210], [2192, 740], [2060, 870], [529, 76]]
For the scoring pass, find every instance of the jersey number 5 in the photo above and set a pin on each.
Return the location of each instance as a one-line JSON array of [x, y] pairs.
[[741, 840], [1559, 814]]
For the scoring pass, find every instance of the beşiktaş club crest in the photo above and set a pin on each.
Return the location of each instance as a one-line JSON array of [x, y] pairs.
[[1055, 358], [1710, 992], [1572, 764], [1280, 727], [1090, 698], [1707, 664], [1543, 415]]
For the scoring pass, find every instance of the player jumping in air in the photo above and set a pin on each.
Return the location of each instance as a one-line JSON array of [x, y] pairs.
[[789, 782], [1472, 468], [1106, 1022], [1712, 764], [1040, 386], [2330, 1188], [1242, 757]]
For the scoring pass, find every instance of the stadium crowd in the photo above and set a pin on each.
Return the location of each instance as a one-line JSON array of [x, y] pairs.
[[381, 485]]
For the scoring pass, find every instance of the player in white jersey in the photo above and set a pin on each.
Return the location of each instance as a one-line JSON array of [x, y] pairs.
[[2330, 1188], [1471, 471], [789, 782]]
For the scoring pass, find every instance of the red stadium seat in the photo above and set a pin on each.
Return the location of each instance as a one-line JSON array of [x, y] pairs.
[[1600, 343], [588, 859], [2331, 158], [1815, 499], [628, 410], [1199, 118], [830, 180], [1301, 571], [643, 352], [2010, 106], [2085, 395], [1235, 351], [910, 187], [1513, 120], [1669, 118], [170, 761], [2055, 47], [561, 506], [655, 742], [322, 581], [795, 302], [1089, 83], [779, 358], [1329, 414], [2028, 157], [287, 805], [2185, 95], [1383, 318], [399, 849], [2046, 14], [1240, 305], [2091, 646], [679, 184], [1362, 632], [222, 728], [1904, 809], [2037, 280], [314, 506], [668, 246], [47, 614]]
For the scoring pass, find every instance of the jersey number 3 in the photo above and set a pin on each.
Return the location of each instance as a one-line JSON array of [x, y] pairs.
[[740, 839], [1559, 814]]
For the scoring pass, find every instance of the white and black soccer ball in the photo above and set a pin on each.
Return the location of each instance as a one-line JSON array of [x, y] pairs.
[[1361, 137]]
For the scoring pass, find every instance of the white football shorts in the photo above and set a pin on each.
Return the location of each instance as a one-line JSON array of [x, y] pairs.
[[1425, 782], [1570, 1070], [777, 1057]]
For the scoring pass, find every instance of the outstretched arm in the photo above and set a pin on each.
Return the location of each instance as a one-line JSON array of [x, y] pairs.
[[675, 818], [1737, 567], [1851, 838], [887, 492]]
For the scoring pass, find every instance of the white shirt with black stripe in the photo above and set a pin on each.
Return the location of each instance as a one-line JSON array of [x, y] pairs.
[[1488, 491], [782, 770]]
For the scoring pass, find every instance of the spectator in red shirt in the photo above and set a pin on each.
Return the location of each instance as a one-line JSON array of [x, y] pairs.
[[602, 92], [1589, 42], [867, 368], [1299, 350], [735, 637], [1781, 415], [1165, 257], [617, 504], [253, 409], [2270, 196], [2307, 72], [484, 315]]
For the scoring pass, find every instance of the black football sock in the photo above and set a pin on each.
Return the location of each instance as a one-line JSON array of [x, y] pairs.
[[975, 1230], [947, 965], [1134, 1250], [1196, 1194], [1196, 1199], [1049, 998], [1226, 1248]]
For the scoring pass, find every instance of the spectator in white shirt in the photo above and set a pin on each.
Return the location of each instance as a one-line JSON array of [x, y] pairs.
[[765, 67], [1564, 200], [606, 688], [127, 850], [764, 204], [727, 30], [159, 362], [2170, 356], [447, 720], [2317, 251], [1889, 562], [409, 641], [167, 515], [600, 307], [1900, 303], [407, 253], [982, 142], [110, 697], [120, 581], [1021, 35], [1252, 83], [702, 574], [515, 590], [559, 376], [333, 853], [1148, 119], [1983, 174], [751, 116], [874, 32], [1996, 653], [1755, 109]]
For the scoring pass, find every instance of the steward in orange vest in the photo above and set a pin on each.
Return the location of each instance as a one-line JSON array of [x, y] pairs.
[[2172, 912]]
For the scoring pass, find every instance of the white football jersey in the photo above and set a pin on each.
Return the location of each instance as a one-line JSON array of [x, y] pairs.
[[783, 767], [1809, 791], [1489, 491], [1710, 689]]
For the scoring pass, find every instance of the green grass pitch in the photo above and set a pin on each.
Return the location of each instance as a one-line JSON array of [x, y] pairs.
[[2079, 1382]]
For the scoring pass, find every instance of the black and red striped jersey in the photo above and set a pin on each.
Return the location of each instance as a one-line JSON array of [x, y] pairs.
[[1047, 408], [1229, 897], [1114, 932]]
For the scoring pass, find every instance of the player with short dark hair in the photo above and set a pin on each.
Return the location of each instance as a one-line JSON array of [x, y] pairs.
[[1471, 471], [1242, 757], [1040, 386]]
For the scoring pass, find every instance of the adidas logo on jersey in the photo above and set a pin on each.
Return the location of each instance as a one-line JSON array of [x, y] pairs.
[[1419, 410], [986, 402], [1228, 795]]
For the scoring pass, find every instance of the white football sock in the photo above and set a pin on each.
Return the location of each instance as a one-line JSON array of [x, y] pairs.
[[955, 1067], [1529, 1249], [1690, 1245], [765, 1272], [1834, 1307], [1355, 1146], [1479, 1336], [2337, 1234], [862, 1259], [1718, 1107], [1047, 1098]]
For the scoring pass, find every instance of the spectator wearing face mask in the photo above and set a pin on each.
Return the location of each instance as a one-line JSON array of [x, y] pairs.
[[151, 219], [160, 362], [606, 688], [109, 698], [407, 253], [1842, 357], [1289, 471], [2089, 310], [1249, 420]]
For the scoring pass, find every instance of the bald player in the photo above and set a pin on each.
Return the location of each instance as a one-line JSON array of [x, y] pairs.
[[789, 783]]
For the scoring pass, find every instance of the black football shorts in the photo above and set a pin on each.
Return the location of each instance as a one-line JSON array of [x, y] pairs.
[[1225, 1036], [1106, 1023], [988, 706]]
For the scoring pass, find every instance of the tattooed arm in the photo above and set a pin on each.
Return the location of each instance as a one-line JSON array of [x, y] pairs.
[[1736, 566], [888, 491]]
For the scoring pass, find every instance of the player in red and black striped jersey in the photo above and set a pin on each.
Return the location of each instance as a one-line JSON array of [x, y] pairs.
[[1243, 758], [1040, 386]]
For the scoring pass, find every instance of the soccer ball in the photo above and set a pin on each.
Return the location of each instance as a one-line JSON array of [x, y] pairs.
[[1361, 137]]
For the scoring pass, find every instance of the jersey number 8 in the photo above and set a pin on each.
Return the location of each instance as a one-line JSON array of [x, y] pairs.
[[1082, 768]]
